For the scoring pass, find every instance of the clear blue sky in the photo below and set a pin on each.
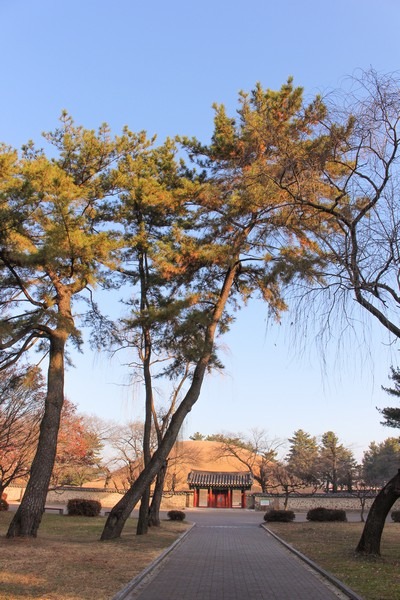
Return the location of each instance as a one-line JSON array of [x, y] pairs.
[[159, 66]]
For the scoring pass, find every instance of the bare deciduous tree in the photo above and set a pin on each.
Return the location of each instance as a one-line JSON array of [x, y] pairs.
[[256, 451], [21, 409], [346, 172]]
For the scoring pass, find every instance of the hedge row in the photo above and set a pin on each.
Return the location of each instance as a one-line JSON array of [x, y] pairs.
[[315, 514], [284, 516], [176, 515], [326, 514], [79, 507]]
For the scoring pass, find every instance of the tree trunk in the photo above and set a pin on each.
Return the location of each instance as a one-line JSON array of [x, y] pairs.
[[334, 482], [362, 501], [121, 511], [370, 542], [154, 511], [143, 521], [26, 520], [286, 501]]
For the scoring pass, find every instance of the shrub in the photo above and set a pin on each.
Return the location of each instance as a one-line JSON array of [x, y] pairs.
[[326, 514], [395, 514], [3, 504], [80, 507], [176, 515], [284, 516]]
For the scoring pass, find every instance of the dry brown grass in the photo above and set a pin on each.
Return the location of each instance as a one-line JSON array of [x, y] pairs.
[[68, 562], [332, 547]]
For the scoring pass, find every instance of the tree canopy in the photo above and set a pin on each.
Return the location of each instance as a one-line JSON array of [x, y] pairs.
[[287, 194], [52, 249]]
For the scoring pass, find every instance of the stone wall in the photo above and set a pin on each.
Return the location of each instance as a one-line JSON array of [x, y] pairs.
[[107, 497], [184, 499], [305, 503], [14, 493]]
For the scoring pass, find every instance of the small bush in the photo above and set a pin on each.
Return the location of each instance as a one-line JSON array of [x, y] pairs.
[[395, 514], [284, 516], [3, 504], [326, 514], [80, 507], [176, 515]]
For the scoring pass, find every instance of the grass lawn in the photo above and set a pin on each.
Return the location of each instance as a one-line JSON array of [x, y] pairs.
[[68, 562], [331, 546]]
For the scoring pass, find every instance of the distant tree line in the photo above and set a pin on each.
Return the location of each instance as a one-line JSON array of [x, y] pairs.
[[310, 464]]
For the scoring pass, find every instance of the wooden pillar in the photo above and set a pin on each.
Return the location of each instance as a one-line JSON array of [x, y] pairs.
[[243, 499], [195, 498], [229, 498]]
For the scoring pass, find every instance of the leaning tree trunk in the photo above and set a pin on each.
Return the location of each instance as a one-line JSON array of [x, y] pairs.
[[154, 510], [26, 520], [121, 511], [370, 542]]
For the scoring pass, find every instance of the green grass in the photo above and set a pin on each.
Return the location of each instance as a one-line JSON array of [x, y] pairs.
[[332, 547]]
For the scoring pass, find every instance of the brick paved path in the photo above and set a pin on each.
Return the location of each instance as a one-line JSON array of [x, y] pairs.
[[230, 557]]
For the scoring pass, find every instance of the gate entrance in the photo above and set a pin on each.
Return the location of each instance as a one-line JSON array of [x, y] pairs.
[[219, 490]]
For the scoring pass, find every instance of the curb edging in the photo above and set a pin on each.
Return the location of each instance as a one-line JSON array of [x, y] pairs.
[[331, 578], [122, 594]]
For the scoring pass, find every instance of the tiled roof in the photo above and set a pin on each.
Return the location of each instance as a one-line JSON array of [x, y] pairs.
[[220, 479]]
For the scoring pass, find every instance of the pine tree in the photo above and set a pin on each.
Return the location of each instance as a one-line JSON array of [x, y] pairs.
[[240, 239], [52, 252], [391, 415], [302, 458]]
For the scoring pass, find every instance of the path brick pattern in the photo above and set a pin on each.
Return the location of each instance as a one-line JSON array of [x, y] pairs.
[[233, 562]]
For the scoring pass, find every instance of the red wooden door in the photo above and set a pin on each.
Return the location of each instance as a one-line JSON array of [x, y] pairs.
[[221, 499]]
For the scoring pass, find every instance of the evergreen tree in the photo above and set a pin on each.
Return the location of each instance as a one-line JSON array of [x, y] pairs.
[[52, 253], [391, 415], [197, 436], [154, 217], [336, 463], [381, 462], [302, 458], [242, 239]]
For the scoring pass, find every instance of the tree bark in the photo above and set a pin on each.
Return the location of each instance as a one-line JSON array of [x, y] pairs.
[[121, 511], [143, 521], [370, 541], [286, 501], [154, 510], [26, 520]]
